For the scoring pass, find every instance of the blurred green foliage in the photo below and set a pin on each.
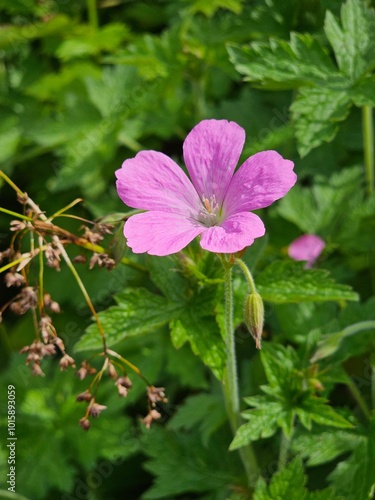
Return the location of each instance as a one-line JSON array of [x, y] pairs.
[[85, 85]]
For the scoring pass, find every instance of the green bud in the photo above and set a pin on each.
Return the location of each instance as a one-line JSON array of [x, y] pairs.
[[254, 316]]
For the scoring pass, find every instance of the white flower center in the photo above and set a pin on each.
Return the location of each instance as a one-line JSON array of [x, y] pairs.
[[210, 213]]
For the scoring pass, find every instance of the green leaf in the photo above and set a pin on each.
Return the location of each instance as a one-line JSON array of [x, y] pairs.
[[286, 281], [166, 274], [112, 93], [205, 340], [211, 6], [91, 42], [353, 42], [363, 93], [138, 312], [263, 423], [322, 447], [283, 65], [317, 410], [205, 411], [323, 208], [181, 456], [288, 483], [330, 343], [317, 112], [10, 137], [354, 478]]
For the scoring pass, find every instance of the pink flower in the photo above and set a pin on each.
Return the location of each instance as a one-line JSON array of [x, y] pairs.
[[214, 204], [307, 247]]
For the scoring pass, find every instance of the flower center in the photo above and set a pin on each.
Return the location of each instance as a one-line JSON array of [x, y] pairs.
[[210, 213]]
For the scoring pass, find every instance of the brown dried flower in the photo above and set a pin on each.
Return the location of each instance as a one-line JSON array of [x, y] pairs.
[[96, 409], [85, 369], [66, 361], [123, 385], [79, 259], [14, 279], [53, 257], [84, 396], [156, 394], [85, 423], [17, 225], [46, 328], [25, 300], [151, 417], [51, 304]]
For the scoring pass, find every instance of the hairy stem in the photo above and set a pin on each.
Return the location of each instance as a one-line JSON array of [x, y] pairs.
[[358, 397], [284, 450], [231, 380], [248, 275], [368, 146]]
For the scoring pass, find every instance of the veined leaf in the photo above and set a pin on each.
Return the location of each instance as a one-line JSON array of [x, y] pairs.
[[138, 312], [353, 41], [284, 281], [283, 65], [317, 112], [290, 483]]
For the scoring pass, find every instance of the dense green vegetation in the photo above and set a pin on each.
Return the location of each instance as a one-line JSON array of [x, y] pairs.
[[85, 85]]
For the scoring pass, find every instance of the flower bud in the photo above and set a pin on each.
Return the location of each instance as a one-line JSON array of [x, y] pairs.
[[254, 316]]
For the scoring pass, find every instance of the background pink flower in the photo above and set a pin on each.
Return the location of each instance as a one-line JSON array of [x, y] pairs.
[[215, 203], [307, 247]]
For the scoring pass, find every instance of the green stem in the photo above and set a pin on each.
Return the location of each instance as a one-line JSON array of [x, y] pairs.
[[231, 377], [368, 146], [284, 450], [248, 275], [92, 13], [358, 397], [15, 214], [231, 393]]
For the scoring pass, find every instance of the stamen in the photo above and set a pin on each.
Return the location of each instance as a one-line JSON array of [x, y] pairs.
[[209, 214]]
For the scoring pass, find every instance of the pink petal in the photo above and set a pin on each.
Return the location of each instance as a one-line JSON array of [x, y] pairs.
[[262, 179], [152, 181], [307, 247], [234, 234], [211, 153], [160, 233]]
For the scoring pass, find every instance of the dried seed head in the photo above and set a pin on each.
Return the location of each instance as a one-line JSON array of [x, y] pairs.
[[53, 257], [79, 259], [14, 279], [66, 361], [151, 417], [84, 396], [25, 300], [37, 370], [104, 228], [22, 198], [96, 409], [51, 304], [156, 394], [6, 254], [112, 371], [85, 369], [123, 385], [103, 260], [48, 350], [254, 316], [59, 344], [85, 423], [46, 328], [92, 236], [17, 225]]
